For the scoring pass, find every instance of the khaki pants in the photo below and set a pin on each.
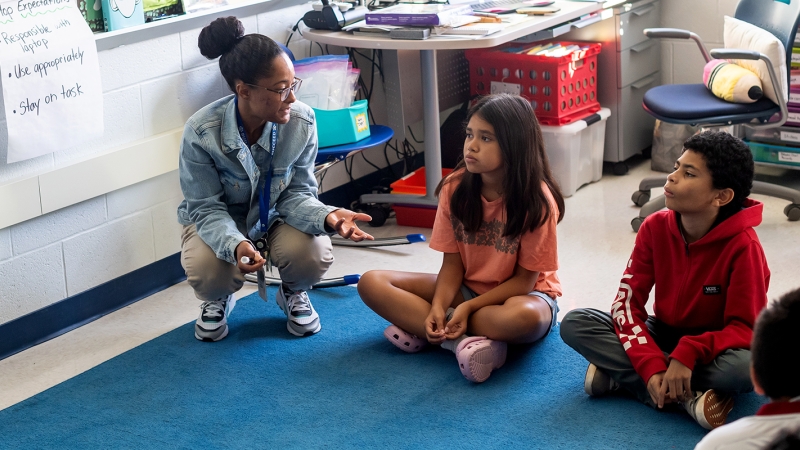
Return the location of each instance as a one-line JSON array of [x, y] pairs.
[[301, 258]]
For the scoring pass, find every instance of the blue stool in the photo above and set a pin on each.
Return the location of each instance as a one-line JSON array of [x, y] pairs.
[[378, 134]]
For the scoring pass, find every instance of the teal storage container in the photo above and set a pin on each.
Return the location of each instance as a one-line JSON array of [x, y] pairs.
[[775, 154], [342, 126]]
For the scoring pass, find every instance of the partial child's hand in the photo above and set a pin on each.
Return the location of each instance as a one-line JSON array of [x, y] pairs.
[[245, 250], [678, 379], [458, 322], [344, 222], [657, 389], [434, 325]]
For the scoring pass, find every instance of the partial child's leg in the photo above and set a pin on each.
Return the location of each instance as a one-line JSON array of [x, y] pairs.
[[728, 373], [402, 298], [712, 385], [520, 320], [591, 333]]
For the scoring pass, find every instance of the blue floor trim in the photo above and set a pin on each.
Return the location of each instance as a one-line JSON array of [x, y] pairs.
[[80, 309]]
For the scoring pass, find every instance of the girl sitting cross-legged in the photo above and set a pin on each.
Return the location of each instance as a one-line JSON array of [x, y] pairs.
[[496, 225]]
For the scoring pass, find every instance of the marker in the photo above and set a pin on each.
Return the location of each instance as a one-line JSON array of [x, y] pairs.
[[485, 14]]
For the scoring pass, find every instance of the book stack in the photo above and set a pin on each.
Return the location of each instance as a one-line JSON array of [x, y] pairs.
[[552, 49], [419, 15]]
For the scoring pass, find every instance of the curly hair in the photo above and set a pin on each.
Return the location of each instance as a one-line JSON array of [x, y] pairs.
[[243, 57], [776, 343], [730, 162]]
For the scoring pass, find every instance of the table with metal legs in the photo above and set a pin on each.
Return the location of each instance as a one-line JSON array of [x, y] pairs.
[[570, 12]]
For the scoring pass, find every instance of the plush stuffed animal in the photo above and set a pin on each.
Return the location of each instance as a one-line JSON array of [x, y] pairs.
[[731, 82]]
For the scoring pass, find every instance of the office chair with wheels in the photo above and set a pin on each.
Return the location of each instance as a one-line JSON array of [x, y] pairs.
[[694, 104]]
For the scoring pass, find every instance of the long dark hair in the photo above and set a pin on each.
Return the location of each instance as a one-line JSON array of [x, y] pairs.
[[525, 168], [244, 57]]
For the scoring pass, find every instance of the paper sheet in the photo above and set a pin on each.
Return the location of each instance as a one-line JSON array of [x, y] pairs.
[[50, 76]]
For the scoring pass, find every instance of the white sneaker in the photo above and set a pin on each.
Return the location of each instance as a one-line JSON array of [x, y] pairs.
[[303, 319], [709, 408], [212, 325]]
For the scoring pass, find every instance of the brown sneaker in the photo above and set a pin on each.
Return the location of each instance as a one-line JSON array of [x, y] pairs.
[[596, 382], [709, 408]]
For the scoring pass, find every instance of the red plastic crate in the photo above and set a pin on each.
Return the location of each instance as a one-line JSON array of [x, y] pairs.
[[561, 89], [414, 216]]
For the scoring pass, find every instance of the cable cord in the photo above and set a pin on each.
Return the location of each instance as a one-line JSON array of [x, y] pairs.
[[296, 28]]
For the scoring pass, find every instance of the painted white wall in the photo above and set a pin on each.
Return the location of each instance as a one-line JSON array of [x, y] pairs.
[[148, 87], [681, 61]]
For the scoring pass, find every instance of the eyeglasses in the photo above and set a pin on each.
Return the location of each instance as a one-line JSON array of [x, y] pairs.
[[285, 91]]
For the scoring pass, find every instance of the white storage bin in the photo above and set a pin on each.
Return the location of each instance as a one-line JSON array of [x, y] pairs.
[[575, 151]]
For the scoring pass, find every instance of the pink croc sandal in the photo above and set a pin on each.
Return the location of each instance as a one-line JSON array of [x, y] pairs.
[[404, 340], [478, 356]]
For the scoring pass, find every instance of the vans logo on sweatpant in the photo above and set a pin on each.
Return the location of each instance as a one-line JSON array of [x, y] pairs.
[[712, 290]]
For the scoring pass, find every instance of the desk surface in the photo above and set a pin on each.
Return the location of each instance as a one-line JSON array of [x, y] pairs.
[[569, 11]]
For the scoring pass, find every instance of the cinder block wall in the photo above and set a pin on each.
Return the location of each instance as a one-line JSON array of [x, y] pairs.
[[681, 61], [148, 87]]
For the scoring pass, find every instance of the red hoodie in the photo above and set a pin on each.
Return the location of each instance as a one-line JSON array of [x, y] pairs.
[[718, 284]]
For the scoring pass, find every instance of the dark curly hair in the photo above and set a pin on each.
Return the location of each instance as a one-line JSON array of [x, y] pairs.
[[776, 343], [787, 440], [244, 57], [730, 162]]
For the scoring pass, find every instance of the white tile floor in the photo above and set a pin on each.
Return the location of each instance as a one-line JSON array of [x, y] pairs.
[[595, 241]]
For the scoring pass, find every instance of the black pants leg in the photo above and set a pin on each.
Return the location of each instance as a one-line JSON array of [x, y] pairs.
[[591, 333]]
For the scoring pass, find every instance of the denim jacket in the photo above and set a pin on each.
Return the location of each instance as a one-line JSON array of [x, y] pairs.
[[219, 177]]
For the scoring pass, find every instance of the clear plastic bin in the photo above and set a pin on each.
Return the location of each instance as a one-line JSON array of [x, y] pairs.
[[575, 151]]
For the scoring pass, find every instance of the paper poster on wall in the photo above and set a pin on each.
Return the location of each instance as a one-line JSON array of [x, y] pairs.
[[50, 76]]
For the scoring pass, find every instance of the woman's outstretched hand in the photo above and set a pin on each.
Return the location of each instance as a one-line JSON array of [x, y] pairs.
[[344, 222]]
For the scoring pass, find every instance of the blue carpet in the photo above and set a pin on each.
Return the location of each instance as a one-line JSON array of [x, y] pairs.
[[345, 387]]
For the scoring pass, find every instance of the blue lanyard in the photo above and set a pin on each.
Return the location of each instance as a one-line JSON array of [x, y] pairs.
[[263, 198]]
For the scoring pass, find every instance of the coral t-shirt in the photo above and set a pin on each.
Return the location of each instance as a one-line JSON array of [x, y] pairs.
[[490, 258]]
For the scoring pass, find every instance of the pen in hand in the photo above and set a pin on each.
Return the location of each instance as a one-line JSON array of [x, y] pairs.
[[247, 261]]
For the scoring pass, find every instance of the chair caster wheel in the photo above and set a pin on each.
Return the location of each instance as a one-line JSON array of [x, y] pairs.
[[792, 211], [640, 198], [379, 214], [636, 223], [620, 168]]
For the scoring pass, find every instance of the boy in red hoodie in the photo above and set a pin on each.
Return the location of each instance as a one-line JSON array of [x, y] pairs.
[[711, 280]]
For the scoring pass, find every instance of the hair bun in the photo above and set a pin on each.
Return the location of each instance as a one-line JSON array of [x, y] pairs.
[[220, 36]]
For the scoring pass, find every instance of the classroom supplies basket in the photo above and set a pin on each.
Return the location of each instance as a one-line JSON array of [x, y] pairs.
[[561, 89], [342, 126]]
